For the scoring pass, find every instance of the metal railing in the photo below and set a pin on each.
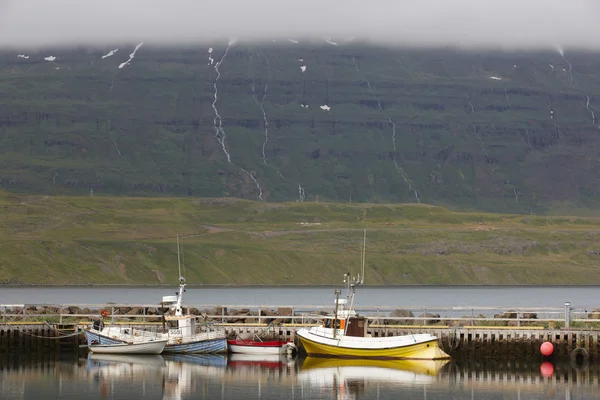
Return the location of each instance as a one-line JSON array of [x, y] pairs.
[[566, 316]]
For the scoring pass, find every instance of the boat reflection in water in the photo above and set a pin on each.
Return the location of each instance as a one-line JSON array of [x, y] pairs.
[[179, 374], [259, 361], [112, 371], [348, 378], [173, 377]]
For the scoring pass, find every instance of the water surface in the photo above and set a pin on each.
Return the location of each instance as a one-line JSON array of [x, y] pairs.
[[402, 297], [243, 377]]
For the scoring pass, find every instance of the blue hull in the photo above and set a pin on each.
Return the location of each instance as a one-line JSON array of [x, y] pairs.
[[203, 346], [93, 338]]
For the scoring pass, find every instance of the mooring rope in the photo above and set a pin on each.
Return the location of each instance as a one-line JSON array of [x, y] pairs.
[[54, 329], [53, 337]]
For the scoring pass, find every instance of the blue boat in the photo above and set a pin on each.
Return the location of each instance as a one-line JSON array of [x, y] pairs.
[[183, 336], [197, 346]]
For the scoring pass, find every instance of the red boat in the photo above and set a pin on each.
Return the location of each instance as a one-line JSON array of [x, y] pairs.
[[259, 346]]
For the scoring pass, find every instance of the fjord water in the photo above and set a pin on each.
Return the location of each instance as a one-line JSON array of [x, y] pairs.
[[91, 376], [410, 296]]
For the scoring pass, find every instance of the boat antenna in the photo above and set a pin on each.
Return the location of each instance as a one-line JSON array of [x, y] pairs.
[[182, 260], [362, 274], [178, 257]]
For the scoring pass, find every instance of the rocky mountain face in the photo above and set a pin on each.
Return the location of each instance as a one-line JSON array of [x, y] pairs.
[[305, 121]]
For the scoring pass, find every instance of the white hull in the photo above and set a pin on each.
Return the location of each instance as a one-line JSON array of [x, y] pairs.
[[154, 347], [233, 348], [325, 336]]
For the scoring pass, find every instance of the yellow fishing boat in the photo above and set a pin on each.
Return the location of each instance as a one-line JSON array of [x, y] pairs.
[[345, 334], [321, 341]]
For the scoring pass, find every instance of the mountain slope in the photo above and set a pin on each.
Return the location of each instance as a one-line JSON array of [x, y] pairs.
[[124, 240], [291, 121]]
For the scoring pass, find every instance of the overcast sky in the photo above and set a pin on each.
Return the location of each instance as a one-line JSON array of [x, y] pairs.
[[488, 23]]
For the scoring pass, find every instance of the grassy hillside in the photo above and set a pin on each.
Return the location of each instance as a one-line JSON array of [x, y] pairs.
[[492, 131], [83, 240]]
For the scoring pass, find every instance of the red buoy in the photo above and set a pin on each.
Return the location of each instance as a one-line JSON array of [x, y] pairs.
[[546, 348], [547, 369]]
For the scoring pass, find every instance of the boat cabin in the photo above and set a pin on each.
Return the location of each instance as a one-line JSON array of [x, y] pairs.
[[357, 327], [351, 326], [179, 324]]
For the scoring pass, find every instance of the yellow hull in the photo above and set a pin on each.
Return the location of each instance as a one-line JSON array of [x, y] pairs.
[[420, 351], [425, 367]]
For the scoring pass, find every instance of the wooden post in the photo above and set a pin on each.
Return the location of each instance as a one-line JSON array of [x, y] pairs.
[[4, 337]]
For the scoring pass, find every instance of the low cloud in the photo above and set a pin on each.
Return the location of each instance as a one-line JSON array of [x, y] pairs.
[[510, 24]]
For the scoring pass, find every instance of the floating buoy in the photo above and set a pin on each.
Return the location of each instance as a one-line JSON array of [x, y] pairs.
[[547, 369], [546, 349]]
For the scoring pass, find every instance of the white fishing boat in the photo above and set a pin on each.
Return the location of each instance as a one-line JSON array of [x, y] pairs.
[[345, 333], [184, 335], [146, 347], [100, 334]]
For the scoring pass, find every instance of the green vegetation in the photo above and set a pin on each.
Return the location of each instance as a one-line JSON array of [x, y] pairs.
[[462, 139], [125, 240]]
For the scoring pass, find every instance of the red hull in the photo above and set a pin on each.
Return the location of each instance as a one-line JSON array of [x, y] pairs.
[[252, 343]]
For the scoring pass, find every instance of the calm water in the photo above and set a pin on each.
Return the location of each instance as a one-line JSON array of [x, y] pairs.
[[219, 377], [584, 297]]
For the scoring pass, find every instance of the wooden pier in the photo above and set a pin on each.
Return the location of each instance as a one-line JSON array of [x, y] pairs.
[[512, 343], [511, 335], [29, 337]]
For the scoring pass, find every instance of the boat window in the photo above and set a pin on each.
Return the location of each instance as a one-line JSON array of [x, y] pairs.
[[172, 324]]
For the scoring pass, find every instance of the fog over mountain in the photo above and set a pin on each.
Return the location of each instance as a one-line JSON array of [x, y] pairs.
[[510, 24]]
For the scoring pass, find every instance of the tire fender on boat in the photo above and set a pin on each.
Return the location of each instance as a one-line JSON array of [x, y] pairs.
[[291, 348]]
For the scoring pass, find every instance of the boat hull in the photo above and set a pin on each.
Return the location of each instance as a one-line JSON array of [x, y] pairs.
[[218, 345], [154, 347], [94, 338], [411, 347], [252, 347]]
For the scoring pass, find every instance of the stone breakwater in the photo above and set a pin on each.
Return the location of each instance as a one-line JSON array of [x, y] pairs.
[[548, 318]]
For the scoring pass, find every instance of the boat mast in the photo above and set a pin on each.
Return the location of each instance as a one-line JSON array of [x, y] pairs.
[[181, 284], [335, 314], [353, 282]]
